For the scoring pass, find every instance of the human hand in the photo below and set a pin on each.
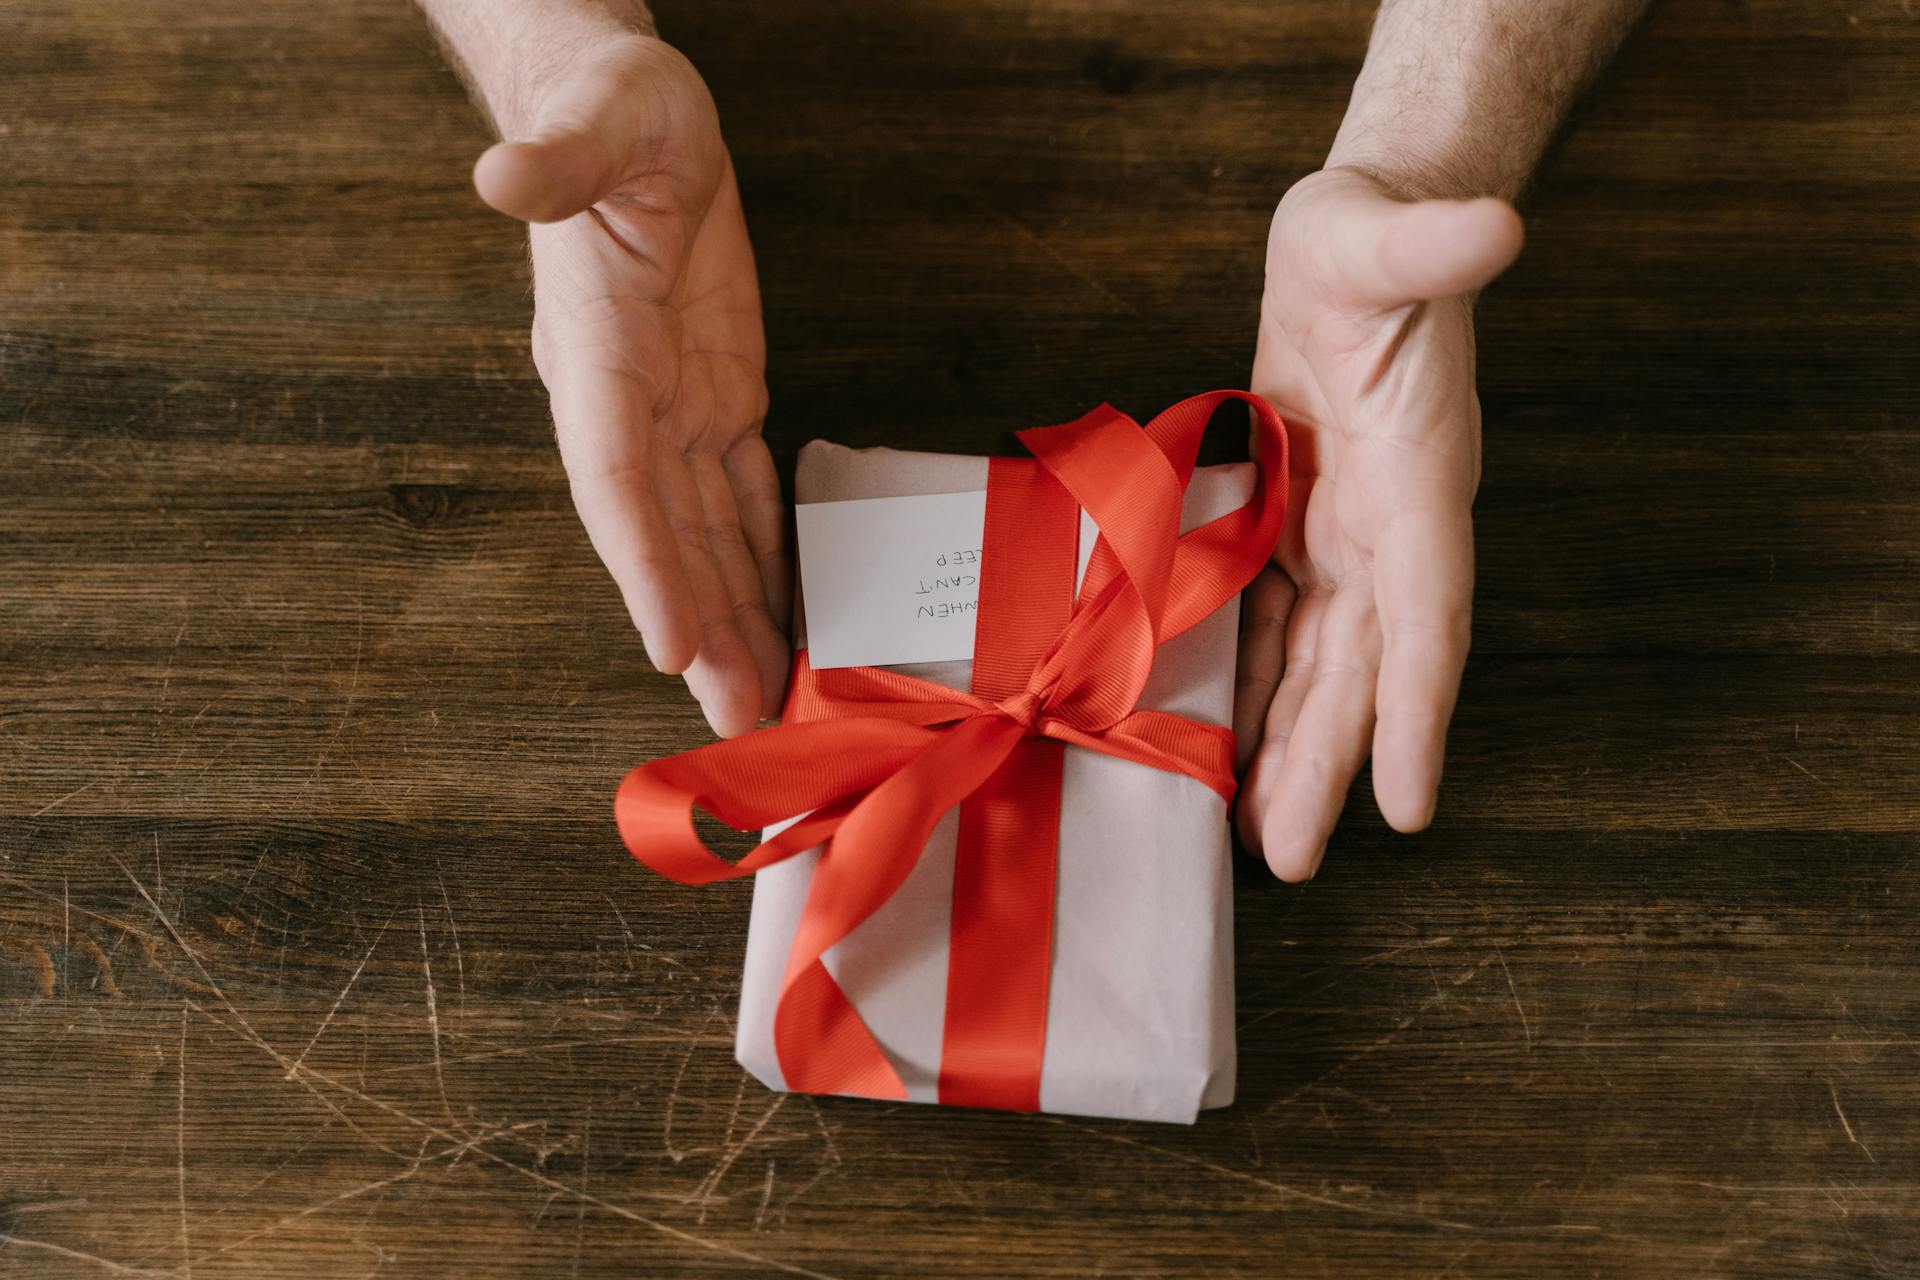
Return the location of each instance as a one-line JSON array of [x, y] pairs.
[[1358, 631], [647, 334]]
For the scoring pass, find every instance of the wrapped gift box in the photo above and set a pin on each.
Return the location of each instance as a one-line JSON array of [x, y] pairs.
[[943, 974], [1140, 1015]]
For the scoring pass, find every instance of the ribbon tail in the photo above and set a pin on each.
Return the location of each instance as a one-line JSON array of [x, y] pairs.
[[1000, 957], [1173, 744], [824, 1045]]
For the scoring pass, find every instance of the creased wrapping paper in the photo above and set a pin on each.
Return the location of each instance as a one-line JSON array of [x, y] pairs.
[[1140, 1012]]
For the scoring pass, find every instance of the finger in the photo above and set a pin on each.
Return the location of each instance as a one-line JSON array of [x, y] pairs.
[[1390, 253], [1423, 579], [1263, 773], [585, 134], [1328, 743], [601, 122], [604, 420], [546, 179], [724, 677], [745, 595], [763, 519], [1263, 650]]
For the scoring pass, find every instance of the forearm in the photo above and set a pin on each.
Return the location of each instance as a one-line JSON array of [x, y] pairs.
[[1460, 98], [507, 50]]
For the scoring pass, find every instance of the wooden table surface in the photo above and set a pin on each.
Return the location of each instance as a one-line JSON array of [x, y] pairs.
[[319, 955]]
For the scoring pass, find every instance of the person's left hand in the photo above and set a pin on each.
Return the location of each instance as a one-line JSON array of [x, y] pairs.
[[1358, 631]]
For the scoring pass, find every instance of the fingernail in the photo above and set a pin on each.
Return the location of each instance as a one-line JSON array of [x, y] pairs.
[[1313, 868]]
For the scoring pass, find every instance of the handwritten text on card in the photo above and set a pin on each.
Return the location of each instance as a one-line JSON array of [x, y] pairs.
[[887, 581]]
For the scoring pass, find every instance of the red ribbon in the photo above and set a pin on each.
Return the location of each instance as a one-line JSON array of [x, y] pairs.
[[873, 758]]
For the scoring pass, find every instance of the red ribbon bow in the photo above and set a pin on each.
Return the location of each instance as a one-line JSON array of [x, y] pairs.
[[874, 758]]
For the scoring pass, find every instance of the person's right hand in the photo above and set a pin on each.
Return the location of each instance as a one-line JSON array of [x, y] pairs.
[[647, 334]]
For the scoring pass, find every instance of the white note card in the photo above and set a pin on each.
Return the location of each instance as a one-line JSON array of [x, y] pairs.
[[886, 581]]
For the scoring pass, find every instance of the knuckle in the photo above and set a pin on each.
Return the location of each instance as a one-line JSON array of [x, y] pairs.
[[687, 533], [723, 536]]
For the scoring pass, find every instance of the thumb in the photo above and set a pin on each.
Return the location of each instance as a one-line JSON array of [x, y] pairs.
[[548, 177], [591, 131], [1390, 253]]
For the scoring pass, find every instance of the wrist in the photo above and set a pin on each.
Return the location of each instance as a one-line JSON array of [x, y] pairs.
[[1429, 163], [1459, 98], [512, 51]]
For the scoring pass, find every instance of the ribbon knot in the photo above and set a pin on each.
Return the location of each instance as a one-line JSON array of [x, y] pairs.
[[873, 758], [1024, 709]]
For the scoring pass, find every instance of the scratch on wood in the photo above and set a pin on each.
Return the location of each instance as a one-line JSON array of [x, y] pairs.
[[720, 1171], [1802, 768], [49, 1206], [459, 962], [230, 1007], [103, 958], [1346, 968], [166, 922], [180, 1146], [673, 1094], [149, 945], [1400, 1025], [528, 1050], [1405, 1215], [433, 1017], [655, 1224], [326, 1126], [766, 1195], [828, 1166], [628, 931], [1526, 1028], [624, 930], [265, 849], [1846, 1124], [580, 1209], [50, 807], [326, 1021], [733, 1113], [9, 1240], [308, 1074], [413, 1169]]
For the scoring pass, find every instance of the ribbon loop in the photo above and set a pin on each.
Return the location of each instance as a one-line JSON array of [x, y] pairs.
[[872, 758]]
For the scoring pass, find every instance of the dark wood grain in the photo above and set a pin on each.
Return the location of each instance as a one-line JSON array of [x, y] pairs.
[[318, 954]]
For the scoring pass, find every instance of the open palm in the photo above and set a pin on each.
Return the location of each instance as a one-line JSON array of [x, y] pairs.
[[648, 336], [1357, 634]]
